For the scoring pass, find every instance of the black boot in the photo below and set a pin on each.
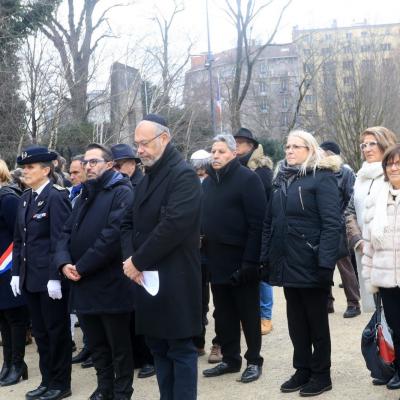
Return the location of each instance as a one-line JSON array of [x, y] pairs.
[[15, 375], [5, 369]]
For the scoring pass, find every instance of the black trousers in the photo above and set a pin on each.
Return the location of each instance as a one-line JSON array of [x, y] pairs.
[[51, 328], [308, 324], [140, 351], [13, 326], [109, 342], [391, 306], [235, 305], [200, 341]]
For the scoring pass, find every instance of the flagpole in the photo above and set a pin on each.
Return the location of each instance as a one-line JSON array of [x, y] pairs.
[[208, 65]]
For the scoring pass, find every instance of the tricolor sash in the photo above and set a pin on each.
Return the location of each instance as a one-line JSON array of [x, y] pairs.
[[6, 259]]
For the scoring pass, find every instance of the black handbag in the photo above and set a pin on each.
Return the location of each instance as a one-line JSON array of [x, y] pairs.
[[379, 368]]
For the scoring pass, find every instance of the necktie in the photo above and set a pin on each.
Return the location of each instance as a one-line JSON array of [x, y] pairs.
[[33, 197]]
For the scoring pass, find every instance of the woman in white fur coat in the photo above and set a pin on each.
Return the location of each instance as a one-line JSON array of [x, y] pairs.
[[374, 142], [381, 235]]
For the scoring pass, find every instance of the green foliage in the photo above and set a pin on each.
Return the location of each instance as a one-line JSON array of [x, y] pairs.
[[273, 148]]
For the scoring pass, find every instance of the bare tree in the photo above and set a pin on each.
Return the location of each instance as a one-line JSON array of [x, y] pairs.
[[243, 17], [76, 43]]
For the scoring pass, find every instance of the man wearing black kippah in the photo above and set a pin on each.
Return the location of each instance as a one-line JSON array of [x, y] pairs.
[[161, 235]]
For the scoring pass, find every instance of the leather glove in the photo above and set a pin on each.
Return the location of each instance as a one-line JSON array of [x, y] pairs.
[[325, 276], [54, 289], [248, 273], [15, 285]]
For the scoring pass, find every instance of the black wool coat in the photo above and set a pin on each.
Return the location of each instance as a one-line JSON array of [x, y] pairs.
[[9, 200], [37, 232], [234, 207], [91, 240], [162, 232], [302, 229]]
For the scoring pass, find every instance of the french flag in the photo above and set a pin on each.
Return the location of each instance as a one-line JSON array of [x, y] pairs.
[[6, 259]]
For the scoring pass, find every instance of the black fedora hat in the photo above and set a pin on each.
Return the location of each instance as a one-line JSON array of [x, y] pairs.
[[245, 133], [35, 154], [123, 151]]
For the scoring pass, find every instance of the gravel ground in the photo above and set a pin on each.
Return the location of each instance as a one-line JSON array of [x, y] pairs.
[[350, 378]]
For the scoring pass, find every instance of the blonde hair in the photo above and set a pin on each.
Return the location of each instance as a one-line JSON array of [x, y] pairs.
[[314, 156], [5, 175], [384, 136]]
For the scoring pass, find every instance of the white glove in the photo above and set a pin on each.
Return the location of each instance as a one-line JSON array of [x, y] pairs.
[[15, 285], [54, 289]]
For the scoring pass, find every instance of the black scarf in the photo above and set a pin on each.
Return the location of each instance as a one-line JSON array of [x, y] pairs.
[[286, 175]]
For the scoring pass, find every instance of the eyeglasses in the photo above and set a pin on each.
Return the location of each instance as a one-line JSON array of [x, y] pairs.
[[363, 146], [92, 162], [145, 143], [393, 164], [294, 147]]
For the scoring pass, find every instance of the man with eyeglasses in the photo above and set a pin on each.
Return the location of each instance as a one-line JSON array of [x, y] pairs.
[[89, 255], [162, 233]]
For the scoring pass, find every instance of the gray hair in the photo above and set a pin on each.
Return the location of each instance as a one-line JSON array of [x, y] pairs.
[[226, 138]]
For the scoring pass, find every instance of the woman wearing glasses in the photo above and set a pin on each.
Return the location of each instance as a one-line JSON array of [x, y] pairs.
[[374, 142], [381, 235], [299, 251]]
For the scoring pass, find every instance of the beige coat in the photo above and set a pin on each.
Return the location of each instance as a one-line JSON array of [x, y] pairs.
[[381, 263]]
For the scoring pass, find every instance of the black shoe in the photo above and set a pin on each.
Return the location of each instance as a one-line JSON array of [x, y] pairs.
[[394, 383], [73, 346], [55, 394], [379, 382], [36, 393], [351, 312], [341, 286], [82, 356], [331, 309], [295, 383], [221, 369], [146, 371], [5, 369], [251, 373], [315, 387], [88, 363], [15, 375], [101, 395]]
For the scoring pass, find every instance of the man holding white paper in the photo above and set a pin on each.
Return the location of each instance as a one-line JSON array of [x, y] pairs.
[[161, 234]]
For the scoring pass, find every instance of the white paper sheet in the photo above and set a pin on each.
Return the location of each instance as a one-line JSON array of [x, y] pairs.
[[151, 282]]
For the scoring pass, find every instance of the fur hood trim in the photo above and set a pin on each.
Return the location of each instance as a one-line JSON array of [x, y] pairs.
[[332, 163], [259, 160]]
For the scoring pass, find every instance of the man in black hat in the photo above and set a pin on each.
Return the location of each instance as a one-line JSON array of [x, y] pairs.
[[41, 215], [127, 162], [345, 178], [251, 155], [162, 234]]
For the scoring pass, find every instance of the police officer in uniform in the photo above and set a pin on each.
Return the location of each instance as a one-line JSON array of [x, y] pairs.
[[42, 211]]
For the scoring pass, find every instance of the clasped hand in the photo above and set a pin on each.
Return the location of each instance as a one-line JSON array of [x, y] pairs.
[[132, 272], [71, 273]]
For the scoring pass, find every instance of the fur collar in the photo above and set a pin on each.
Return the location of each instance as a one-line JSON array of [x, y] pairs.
[[259, 160]]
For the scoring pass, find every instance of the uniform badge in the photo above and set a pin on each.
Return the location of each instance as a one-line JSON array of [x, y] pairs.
[[41, 202], [40, 216], [24, 203], [24, 154]]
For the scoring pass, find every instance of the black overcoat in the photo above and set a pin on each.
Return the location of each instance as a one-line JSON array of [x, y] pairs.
[[234, 207], [9, 200], [302, 229], [91, 241], [162, 232], [37, 231]]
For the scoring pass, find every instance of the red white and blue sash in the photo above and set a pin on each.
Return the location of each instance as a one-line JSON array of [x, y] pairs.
[[6, 259]]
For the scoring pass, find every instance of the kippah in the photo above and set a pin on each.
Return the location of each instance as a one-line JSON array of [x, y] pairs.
[[158, 119]]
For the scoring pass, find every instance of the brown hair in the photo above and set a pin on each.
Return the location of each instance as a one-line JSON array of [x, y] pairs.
[[384, 136], [5, 175], [388, 157]]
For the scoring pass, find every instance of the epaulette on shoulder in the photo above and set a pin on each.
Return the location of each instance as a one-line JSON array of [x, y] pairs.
[[58, 187], [27, 189]]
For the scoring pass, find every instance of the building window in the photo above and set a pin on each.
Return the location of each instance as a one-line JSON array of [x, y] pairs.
[[284, 119], [263, 87], [347, 64], [347, 80], [326, 51], [308, 68], [307, 52], [364, 33], [386, 46], [347, 49], [365, 48], [284, 84], [263, 68], [263, 105], [328, 36], [308, 99], [349, 35], [284, 102]]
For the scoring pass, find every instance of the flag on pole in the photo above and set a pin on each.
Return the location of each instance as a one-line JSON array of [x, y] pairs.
[[6, 259], [218, 105]]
